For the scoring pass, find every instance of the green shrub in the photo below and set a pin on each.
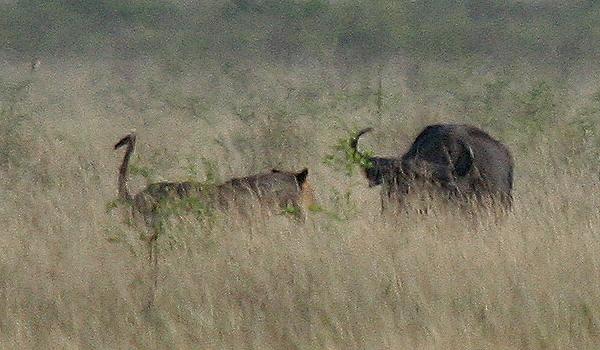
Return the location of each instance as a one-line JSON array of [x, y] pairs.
[[346, 158]]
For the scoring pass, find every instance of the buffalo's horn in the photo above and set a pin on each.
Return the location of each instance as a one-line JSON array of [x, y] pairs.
[[354, 142]]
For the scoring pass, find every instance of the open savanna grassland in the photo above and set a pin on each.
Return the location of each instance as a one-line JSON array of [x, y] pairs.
[[220, 90], [73, 275]]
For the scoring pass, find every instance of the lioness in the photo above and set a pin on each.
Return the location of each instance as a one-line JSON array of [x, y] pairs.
[[275, 191]]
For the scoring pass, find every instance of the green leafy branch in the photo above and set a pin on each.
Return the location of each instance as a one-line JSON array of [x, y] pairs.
[[346, 158]]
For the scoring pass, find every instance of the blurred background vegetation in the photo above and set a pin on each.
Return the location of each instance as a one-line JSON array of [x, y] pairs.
[[523, 66], [553, 33]]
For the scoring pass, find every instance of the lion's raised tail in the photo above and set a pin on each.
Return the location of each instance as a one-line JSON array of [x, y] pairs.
[[128, 140]]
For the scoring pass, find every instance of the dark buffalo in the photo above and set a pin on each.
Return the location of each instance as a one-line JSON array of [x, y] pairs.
[[456, 161]]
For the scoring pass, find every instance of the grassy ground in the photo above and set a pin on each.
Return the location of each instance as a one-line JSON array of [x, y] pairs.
[[73, 275]]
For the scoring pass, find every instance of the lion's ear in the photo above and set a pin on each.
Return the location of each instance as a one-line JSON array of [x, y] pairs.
[[301, 176]]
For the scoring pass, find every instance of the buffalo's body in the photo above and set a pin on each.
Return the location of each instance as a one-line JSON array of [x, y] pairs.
[[456, 161]]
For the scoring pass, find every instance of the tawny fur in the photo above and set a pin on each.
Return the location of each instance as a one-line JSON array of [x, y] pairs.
[[272, 191], [276, 191]]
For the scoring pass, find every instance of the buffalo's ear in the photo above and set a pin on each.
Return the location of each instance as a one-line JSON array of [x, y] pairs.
[[301, 176], [464, 163]]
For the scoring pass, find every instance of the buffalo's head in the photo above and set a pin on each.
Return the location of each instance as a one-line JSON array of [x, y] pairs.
[[375, 169]]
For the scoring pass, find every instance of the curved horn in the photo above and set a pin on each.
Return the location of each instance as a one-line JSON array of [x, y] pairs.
[[354, 141], [128, 140]]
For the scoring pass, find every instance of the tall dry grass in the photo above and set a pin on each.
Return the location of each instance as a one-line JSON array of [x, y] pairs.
[[74, 276]]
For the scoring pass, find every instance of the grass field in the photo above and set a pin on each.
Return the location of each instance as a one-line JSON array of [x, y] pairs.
[[74, 275]]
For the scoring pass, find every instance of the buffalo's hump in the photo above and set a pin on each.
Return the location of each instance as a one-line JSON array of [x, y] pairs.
[[481, 164]]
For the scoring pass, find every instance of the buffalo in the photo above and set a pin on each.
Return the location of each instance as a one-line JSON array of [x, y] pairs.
[[451, 161]]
